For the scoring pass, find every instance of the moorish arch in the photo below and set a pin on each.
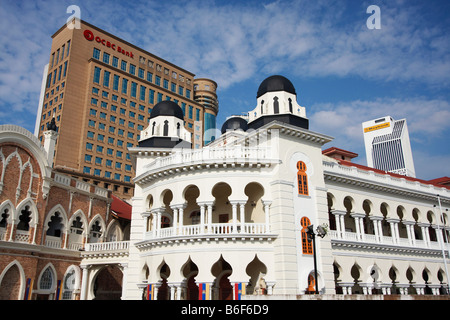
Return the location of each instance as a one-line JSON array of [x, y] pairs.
[[12, 282]]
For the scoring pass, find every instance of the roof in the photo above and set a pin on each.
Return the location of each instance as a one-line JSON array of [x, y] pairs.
[[120, 208], [333, 150], [235, 123], [275, 83], [362, 167], [167, 108]]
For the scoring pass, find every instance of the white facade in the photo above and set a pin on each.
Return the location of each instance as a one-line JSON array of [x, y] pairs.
[[388, 147], [229, 220]]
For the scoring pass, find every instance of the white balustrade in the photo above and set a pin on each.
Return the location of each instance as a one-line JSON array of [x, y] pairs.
[[216, 229], [385, 240], [108, 246]]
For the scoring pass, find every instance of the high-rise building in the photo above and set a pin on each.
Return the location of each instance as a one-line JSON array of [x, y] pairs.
[[101, 90], [388, 147]]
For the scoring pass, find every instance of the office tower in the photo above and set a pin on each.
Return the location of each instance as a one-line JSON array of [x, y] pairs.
[[101, 90], [388, 147]]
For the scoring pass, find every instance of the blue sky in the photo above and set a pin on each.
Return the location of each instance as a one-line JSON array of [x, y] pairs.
[[343, 72]]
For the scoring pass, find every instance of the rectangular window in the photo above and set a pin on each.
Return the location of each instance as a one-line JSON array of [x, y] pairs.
[[158, 80], [123, 66], [191, 109], [68, 47], [115, 62], [65, 69], [180, 90], [132, 69], [106, 76], [133, 89], [96, 54], [87, 170], [197, 114], [188, 93], [160, 97], [106, 57], [97, 75], [89, 146], [116, 83], [141, 73], [124, 85], [142, 93], [166, 84], [173, 87], [151, 96]]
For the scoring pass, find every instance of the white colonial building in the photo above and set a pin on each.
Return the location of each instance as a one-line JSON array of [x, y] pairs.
[[231, 219]]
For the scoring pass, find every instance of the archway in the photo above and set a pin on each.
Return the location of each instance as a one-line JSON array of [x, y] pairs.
[[222, 270], [190, 271], [10, 284], [257, 271], [163, 290], [108, 284]]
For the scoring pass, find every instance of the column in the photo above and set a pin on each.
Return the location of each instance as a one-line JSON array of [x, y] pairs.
[[175, 220], [393, 223], [158, 223], [425, 233], [234, 216], [209, 223], [408, 231], [181, 217], [242, 216], [202, 218], [124, 267], [337, 214], [358, 217], [266, 205], [361, 227], [375, 228], [84, 282]]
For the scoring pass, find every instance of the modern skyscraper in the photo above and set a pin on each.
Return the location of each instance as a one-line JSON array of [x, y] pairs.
[[388, 147], [101, 90]]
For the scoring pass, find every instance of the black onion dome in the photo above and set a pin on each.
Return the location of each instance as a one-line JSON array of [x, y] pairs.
[[275, 83], [235, 123], [167, 108]]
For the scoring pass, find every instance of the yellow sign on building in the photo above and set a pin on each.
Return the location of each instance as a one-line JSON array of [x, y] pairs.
[[377, 127]]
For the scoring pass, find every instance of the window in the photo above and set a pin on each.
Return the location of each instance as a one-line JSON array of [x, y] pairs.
[[124, 86], [123, 66], [302, 179], [141, 73], [306, 244], [96, 54], [115, 62], [132, 69], [142, 93], [106, 57], [133, 89], [166, 84], [46, 281], [97, 75], [116, 83], [88, 158], [106, 75]]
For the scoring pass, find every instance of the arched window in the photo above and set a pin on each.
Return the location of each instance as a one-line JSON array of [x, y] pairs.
[[166, 128], [55, 226], [302, 179], [69, 285], [46, 281], [4, 218], [306, 244], [24, 219], [276, 106]]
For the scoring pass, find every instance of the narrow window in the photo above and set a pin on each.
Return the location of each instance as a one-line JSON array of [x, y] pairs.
[[306, 244], [302, 179]]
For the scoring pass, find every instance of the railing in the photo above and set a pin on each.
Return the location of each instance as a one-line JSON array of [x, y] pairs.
[[213, 229], [386, 240], [53, 242], [108, 246], [238, 153]]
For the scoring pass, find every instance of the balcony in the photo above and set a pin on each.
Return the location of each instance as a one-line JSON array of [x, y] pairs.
[[352, 239], [212, 232], [103, 251]]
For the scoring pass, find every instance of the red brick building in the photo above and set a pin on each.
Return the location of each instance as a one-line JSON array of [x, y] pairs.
[[46, 218]]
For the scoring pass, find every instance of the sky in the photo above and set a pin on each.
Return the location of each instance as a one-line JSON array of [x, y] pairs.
[[344, 72]]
